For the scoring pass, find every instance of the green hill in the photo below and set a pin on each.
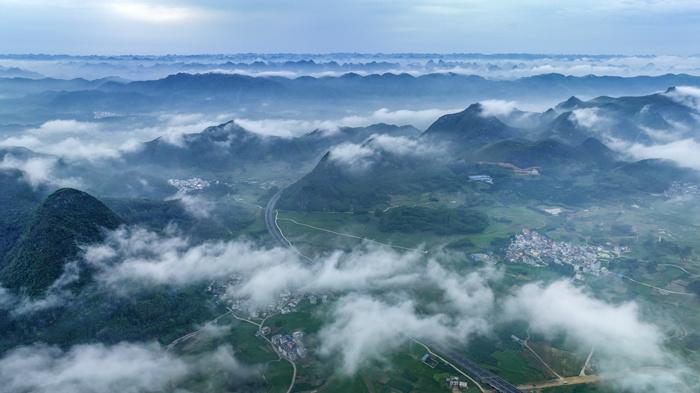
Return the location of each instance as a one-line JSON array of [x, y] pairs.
[[469, 129], [64, 220]]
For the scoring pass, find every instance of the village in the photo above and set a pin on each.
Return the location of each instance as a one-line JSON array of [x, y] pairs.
[[532, 248]]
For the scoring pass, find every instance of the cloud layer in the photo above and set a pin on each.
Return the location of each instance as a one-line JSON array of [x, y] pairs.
[[98, 368], [624, 343]]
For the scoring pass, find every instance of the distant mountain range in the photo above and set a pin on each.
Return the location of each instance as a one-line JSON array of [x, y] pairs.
[[230, 147], [50, 98], [558, 145]]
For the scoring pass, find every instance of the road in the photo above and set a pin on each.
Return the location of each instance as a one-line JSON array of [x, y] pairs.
[[274, 229], [587, 363], [430, 351], [526, 345], [187, 336], [566, 381], [260, 326], [271, 221], [478, 373], [351, 236], [661, 290]]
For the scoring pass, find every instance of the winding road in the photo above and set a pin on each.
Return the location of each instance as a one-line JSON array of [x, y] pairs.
[[271, 221]]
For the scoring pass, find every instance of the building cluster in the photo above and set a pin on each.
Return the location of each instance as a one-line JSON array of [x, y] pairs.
[[455, 383], [681, 189], [186, 185], [531, 171], [532, 248], [286, 302], [481, 178], [289, 346]]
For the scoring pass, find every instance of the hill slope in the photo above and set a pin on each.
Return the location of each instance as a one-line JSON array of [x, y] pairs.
[[64, 220]]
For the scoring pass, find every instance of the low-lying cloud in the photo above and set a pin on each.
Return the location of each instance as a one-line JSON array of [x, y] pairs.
[[497, 108], [683, 152], [361, 156], [74, 140], [290, 128], [98, 368], [624, 343], [378, 306], [587, 117], [38, 170], [686, 95]]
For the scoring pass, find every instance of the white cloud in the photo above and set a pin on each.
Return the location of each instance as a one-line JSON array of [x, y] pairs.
[[155, 13], [98, 368], [497, 107], [123, 368], [134, 255], [197, 206], [137, 256], [622, 340], [38, 170], [363, 328], [285, 128], [686, 95], [76, 140], [65, 127], [360, 157], [683, 152], [289, 128], [587, 117], [352, 155]]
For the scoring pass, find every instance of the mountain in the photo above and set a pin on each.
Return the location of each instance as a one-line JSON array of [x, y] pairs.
[[647, 119], [565, 128], [229, 147], [572, 103], [65, 219], [219, 93], [549, 153], [17, 202], [338, 186], [469, 129]]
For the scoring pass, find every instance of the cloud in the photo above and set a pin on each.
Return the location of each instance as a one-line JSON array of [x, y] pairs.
[[363, 328], [289, 128], [71, 139], [198, 206], [77, 140], [137, 256], [587, 117], [686, 95], [58, 294], [122, 368], [683, 152], [419, 118], [134, 257], [65, 127], [38, 170], [623, 342], [285, 128], [360, 157], [156, 13], [98, 368], [497, 107], [353, 155]]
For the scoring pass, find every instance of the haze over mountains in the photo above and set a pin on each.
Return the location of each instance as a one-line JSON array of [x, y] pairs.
[[236, 222]]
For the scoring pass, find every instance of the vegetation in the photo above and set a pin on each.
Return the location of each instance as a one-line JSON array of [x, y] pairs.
[[442, 221], [64, 220]]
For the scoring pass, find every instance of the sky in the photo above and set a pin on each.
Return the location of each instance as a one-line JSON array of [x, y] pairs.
[[322, 26]]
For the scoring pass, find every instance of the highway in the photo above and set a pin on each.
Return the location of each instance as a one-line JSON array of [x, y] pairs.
[[477, 372], [271, 221]]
